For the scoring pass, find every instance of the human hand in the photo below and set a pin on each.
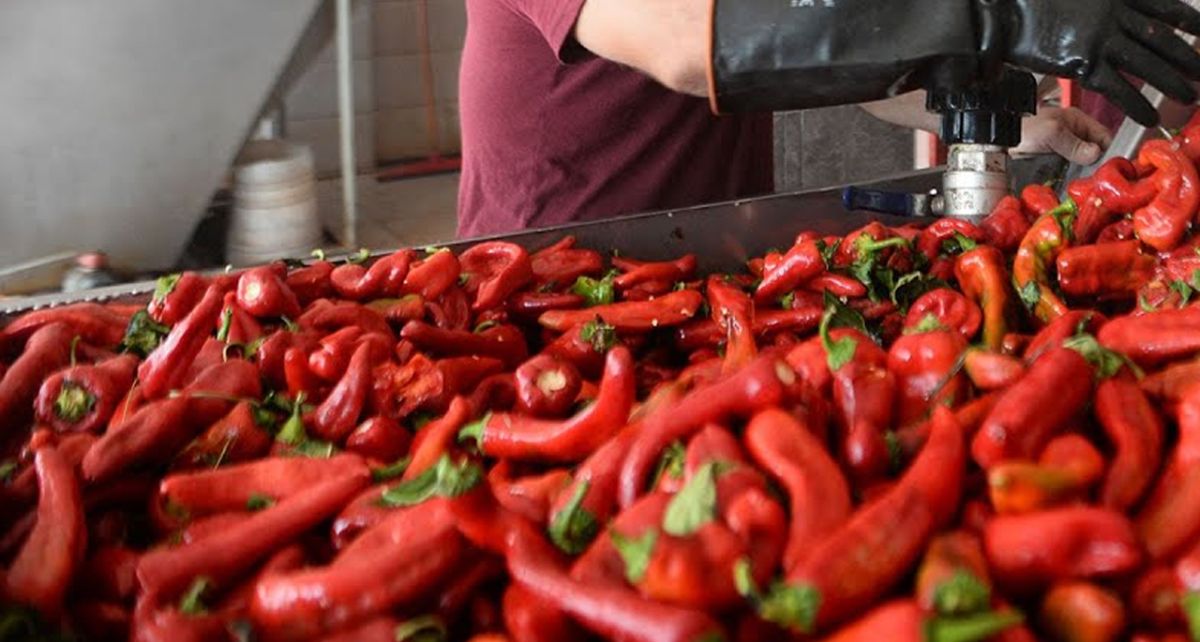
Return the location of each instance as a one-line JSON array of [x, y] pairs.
[[1070, 133]]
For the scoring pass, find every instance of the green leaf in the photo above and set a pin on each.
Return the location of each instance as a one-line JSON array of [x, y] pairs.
[[1030, 294], [418, 420], [360, 256], [391, 471], [292, 433], [226, 324], [828, 251], [464, 278], [911, 286], [601, 335], [443, 479], [792, 607], [595, 291], [671, 463], [427, 628], [165, 285], [1144, 305], [8, 467], [679, 286], [259, 501], [838, 315], [635, 552], [574, 527], [1107, 362], [1190, 603], [1195, 282], [474, 430], [962, 594], [958, 244], [1185, 291], [787, 300], [191, 603], [895, 451], [74, 402], [695, 504], [928, 323], [23, 624], [1064, 215], [143, 334], [314, 448], [971, 628]]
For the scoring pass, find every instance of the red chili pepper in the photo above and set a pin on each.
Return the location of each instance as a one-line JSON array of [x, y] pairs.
[[560, 264], [1076, 542], [530, 496], [157, 424], [798, 461], [518, 437], [165, 368], [235, 437], [707, 333], [83, 398], [532, 304], [1068, 467], [222, 556], [733, 312], [43, 569], [528, 619], [765, 382], [989, 370], [640, 272], [1169, 519], [1121, 230], [1053, 334], [1082, 611], [982, 276], [931, 238], [1116, 184], [436, 438], [864, 393], [904, 621], [546, 387], [838, 285], [298, 377], [504, 342], [801, 263], [433, 275], [270, 354], [385, 277], [48, 349], [1037, 199], [1134, 428], [264, 294], [1048, 236], [1153, 338], [864, 557], [953, 576], [110, 573], [175, 296], [311, 282], [326, 316], [380, 438], [667, 310], [1006, 225], [214, 391], [1162, 223], [235, 326], [495, 270], [925, 367], [1111, 269], [336, 416], [1030, 412], [1169, 384], [399, 311], [949, 308], [98, 325], [395, 562]]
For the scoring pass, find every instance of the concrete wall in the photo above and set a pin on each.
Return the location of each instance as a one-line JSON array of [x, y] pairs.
[[821, 147], [118, 118]]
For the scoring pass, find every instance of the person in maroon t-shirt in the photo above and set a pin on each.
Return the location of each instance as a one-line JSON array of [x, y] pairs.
[[555, 127]]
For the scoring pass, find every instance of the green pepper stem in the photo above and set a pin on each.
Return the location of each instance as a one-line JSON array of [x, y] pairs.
[[972, 628]]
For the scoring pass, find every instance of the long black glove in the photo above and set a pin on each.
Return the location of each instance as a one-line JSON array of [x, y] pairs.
[[784, 54]]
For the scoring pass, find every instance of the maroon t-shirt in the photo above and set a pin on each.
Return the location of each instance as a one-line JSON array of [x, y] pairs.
[[552, 134]]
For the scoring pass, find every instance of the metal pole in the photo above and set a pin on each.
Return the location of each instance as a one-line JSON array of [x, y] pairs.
[[346, 125]]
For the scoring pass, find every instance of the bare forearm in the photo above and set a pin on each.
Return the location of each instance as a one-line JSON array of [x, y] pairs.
[[665, 39]]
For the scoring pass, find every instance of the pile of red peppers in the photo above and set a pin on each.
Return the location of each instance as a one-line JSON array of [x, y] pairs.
[[940, 434]]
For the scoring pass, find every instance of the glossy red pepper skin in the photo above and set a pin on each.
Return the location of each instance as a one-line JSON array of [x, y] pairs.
[[232, 438], [437, 438], [1037, 199], [1111, 269], [338, 414], [178, 301], [1134, 428], [864, 393], [1006, 225], [637, 273], [930, 239], [1082, 611], [530, 305], [528, 619], [380, 438], [224, 555], [708, 333], [384, 278], [639, 316], [989, 370], [495, 270], [949, 555], [158, 423], [766, 381], [325, 316], [432, 276], [924, 366], [1030, 412], [311, 282], [230, 488], [526, 438], [733, 311], [1162, 223], [982, 275], [558, 265], [165, 368], [1155, 337], [817, 491], [330, 360], [1054, 333], [1036, 255], [48, 349], [504, 342], [1169, 519], [235, 326], [801, 263], [951, 310], [264, 294], [393, 563], [43, 569], [864, 557], [98, 325], [546, 387], [102, 385], [1075, 542], [529, 496]]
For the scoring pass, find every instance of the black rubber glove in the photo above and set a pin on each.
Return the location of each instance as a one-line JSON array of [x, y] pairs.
[[786, 54]]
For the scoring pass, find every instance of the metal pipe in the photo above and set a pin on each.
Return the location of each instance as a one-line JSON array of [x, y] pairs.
[[345, 87]]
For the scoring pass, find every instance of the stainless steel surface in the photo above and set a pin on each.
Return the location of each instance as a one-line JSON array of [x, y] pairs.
[[722, 235], [976, 179]]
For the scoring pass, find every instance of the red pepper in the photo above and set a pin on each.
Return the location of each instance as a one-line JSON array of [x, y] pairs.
[[1048, 236], [546, 387], [1169, 519], [270, 354], [560, 264], [838, 285], [1037, 199], [864, 393], [326, 316], [1113, 183], [394, 563], [433, 275], [1082, 611], [504, 342], [329, 361], [1030, 412], [235, 326], [521, 438], [1004, 228], [1121, 230], [436, 438], [904, 621], [982, 276], [530, 496], [528, 619], [950, 309], [385, 277], [1076, 542], [817, 490], [1111, 269], [235, 437], [1053, 334], [311, 282], [110, 573], [706, 332], [267, 480], [1134, 428], [989, 370], [165, 368], [733, 311], [925, 367], [297, 375], [1169, 384], [380, 438], [532, 304], [1068, 467], [640, 272], [1162, 223], [48, 349], [84, 398], [222, 556], [153, 622], [262, 293], [667, 310], [42, 571], [765, 382], [864, 557], [95, 324], [214, 391], [1155, 596], [931, 238], [399, 311], [175, 296], [155, 425], [495, 270], [801, 263], [1153, 338], [953, 576], [336, 416]]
